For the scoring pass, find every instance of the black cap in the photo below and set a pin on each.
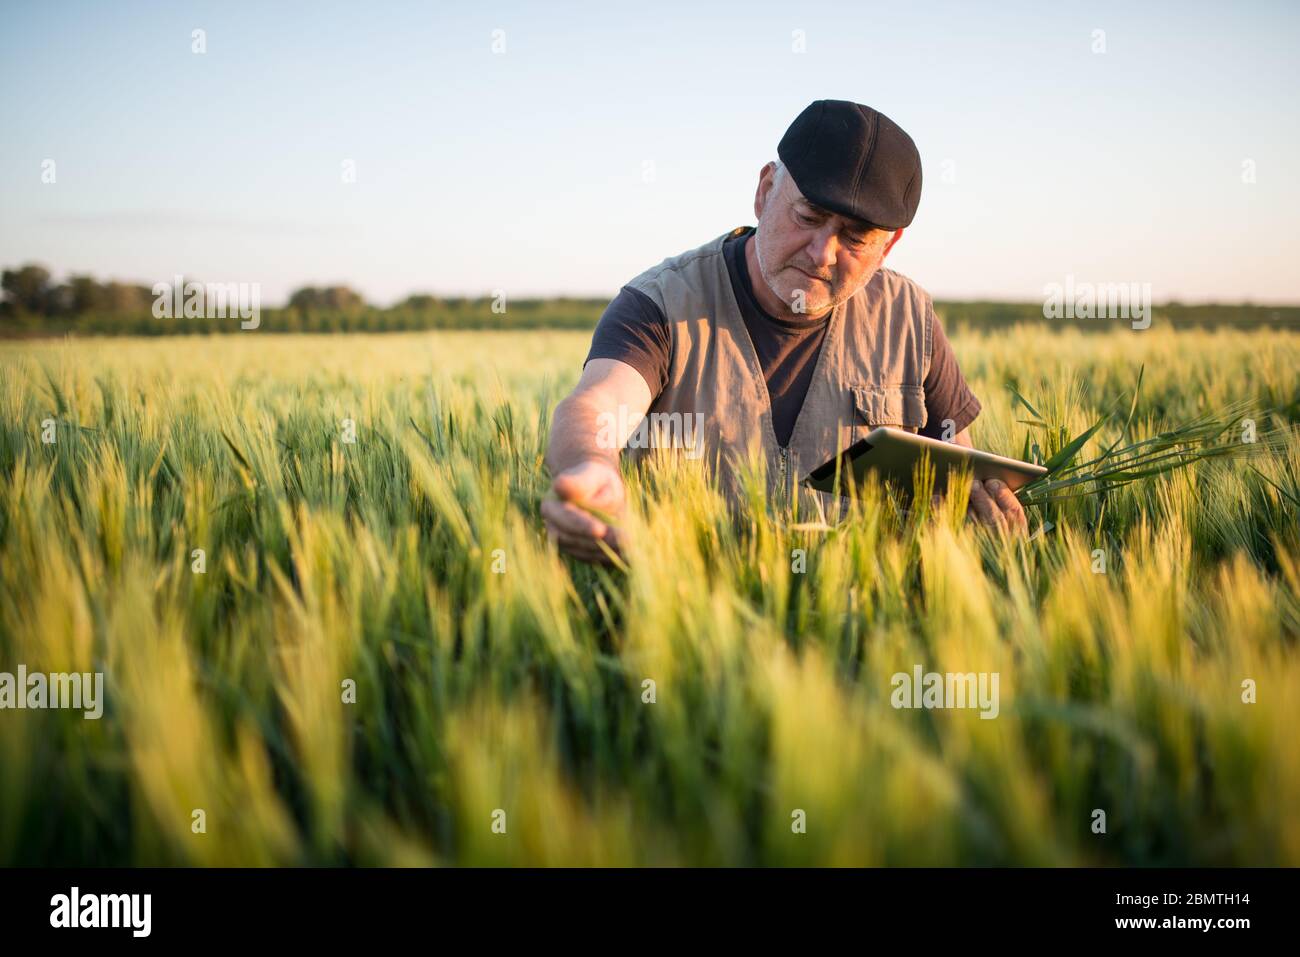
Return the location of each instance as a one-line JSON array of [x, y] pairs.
[[855, 161]]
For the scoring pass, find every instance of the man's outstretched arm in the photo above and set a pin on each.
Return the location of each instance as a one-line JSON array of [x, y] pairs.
[[588, 433]]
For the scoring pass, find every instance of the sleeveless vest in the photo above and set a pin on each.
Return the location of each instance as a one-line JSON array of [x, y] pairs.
[[870, 371]]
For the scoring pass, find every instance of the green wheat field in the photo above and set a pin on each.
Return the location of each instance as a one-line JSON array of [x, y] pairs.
[[501, 713]]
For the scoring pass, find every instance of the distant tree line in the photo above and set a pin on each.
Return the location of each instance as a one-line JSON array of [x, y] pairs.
[[28, 291], [34, 305], [1243, 315]]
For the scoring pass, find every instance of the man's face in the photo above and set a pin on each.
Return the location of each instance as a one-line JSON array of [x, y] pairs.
[[810, 258]]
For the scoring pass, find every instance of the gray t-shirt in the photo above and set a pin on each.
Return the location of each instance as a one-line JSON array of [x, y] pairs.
[[634, 330]]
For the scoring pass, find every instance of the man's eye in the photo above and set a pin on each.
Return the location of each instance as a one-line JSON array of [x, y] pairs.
[[806, 220]]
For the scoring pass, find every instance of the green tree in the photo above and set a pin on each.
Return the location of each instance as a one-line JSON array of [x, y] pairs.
[[311, 300], [27, 289]]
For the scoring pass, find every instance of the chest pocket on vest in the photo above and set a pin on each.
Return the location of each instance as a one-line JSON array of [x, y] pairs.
[[900, 406]]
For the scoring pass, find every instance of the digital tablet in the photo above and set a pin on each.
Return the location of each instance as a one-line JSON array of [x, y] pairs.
[[892, 454]]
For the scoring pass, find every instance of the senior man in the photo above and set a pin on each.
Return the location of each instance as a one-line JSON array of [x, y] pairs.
[[789, 338]]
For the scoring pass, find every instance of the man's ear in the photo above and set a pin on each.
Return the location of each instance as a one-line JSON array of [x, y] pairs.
[[764, 191], [898, 234]]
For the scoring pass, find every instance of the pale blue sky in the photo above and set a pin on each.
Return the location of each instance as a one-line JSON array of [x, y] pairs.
[[524, 171]]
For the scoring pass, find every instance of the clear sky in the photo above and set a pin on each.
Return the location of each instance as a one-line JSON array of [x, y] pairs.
[[607, 137]]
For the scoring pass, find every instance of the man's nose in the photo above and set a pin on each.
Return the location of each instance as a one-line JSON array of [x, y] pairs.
[[823, 248]]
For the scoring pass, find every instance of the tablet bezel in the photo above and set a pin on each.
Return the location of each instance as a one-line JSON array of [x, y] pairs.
[[945, 456]]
